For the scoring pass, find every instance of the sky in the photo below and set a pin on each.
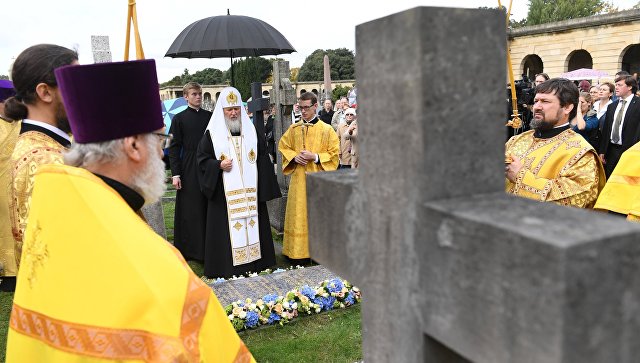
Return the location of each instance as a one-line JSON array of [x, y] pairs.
[[71, 23]]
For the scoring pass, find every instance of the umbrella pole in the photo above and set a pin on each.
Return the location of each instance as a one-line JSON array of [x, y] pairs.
[[233, 82]]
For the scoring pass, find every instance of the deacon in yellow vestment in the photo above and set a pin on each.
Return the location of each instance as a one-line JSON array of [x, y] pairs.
[[563, 168], [318, 138], [97, 284], [8, 137], [621, 194], [35, 146]]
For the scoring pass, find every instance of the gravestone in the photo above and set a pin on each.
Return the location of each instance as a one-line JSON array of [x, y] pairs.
[[100, 48], [283, 95], [452, 269], [154, 215], [278, 283]]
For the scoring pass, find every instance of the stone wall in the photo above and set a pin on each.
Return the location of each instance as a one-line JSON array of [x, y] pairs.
[[605, 37]]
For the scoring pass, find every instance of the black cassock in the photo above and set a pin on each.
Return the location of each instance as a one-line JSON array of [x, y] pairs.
[[187, 128], [218, 260]]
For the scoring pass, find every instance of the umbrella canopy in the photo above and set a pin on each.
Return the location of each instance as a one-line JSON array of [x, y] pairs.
[[229, 36], [584, 73], [172, 107]]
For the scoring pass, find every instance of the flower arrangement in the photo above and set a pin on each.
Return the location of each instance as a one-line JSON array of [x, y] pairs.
[[268, 271], [273, 309]]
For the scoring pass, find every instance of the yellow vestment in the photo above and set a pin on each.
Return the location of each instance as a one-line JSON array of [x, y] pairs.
[[32, 150], [320, 139], [563, 169], [621, 194], [96, 284], [8, 136]]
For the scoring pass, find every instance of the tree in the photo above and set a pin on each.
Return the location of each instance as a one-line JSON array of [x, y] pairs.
[[342, 63], [339, 91], [547, 11], [2, 76], [208, 76], [248, 70]]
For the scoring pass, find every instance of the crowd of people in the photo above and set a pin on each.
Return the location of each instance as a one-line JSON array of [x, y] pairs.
[[582, 146], [75, 176]]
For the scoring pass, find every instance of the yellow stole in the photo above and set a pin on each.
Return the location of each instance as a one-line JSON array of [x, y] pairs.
[[622, 192], [97, 283]]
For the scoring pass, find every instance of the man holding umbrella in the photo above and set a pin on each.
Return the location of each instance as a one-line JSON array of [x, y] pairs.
[[191, 205]]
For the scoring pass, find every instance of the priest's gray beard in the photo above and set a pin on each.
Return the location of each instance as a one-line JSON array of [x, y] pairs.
[[234, 125], [150, 180]]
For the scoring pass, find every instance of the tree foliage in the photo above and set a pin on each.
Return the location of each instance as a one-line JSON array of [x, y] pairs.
[[205, 76], [342, 62], [547, 11], [3, 76], [339, 91], [248, 70]]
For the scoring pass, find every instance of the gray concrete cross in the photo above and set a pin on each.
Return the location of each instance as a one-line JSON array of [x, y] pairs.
[[451, 268]]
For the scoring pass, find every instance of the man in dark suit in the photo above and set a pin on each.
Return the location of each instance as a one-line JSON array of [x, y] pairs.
[[621, 124]]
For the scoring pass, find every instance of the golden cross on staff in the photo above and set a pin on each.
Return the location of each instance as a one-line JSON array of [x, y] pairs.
[[132, 16], [515, 121]]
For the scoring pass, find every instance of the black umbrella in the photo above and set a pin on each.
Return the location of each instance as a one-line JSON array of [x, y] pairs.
[[229, 36]]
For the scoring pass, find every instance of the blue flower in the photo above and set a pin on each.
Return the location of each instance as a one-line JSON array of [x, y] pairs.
[[251, 320], [349, 299], [326, 303], [219, 280], [273, 318], [308, 292], [270, 298], [335, 285], [329, 301]]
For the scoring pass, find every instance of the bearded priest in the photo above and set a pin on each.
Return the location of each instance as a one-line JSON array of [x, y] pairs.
[[97, 284], [238, 234]]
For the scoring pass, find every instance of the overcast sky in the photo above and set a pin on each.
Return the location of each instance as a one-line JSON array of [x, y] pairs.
[[71, 23]]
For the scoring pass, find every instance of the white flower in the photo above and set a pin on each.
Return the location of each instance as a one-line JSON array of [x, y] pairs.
[[286, 305], [242, 315], [294, 305], [230, 316], [341, 306]]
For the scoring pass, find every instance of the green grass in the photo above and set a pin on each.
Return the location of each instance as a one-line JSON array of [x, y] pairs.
[[6, 300], [334, 336]]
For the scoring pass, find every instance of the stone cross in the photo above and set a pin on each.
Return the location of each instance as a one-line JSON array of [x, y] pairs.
[[283, 95], [453, 269], [100, 48]]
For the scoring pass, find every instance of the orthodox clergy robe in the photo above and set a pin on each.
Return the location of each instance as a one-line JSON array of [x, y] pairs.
[[187, 128], [219, 257], [559, 166], [621, 194], [36, 145], [108, 288], [318, 138], [8, 136]]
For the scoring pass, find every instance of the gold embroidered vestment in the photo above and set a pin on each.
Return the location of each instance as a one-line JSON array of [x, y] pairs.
[[32, 150], [563, 169], [8, 137]]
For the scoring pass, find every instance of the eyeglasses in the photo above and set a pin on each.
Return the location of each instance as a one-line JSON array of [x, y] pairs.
[[349, 114], [165, 139], [305, 107]]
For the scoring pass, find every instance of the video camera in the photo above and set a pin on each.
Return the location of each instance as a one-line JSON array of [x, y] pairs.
[[524, 92]]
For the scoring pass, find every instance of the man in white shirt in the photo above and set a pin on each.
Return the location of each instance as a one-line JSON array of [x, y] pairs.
[[621, 124]]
